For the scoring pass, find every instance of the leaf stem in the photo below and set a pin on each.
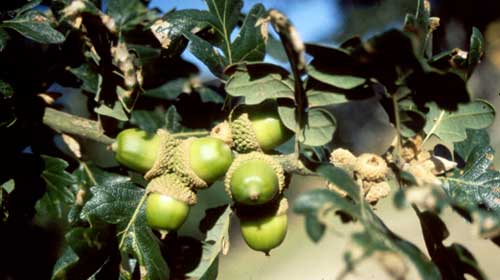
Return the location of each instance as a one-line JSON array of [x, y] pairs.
[[132, 220], [89, 172], [190, 134]]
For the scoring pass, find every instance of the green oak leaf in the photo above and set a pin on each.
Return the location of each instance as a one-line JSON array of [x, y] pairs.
[[476, 50], [225, 15], [319, 128], [315, 203], [58, 196], [454, 260], [4, 39], [35, 26], [66, 261], [451, 126], [216, 227], [257, 82], [117, 203], [249, 44], [477, 184], [117, 112], [90, 78]]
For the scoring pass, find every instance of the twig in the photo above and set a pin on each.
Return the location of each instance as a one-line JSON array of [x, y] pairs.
[[71, 124], [295, 50]]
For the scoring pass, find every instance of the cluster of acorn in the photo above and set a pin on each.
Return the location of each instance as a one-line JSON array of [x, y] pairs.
[[368, 170], [176, 169]]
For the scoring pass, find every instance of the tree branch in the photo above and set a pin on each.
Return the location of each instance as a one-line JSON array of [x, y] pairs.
[[71, 124]]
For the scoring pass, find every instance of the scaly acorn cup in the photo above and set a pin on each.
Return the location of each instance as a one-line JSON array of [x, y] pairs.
[[201, 161], [168, 202], [164, 159], [265, 230], [136, 149], [254, 179], [258, 128], [371, 167]]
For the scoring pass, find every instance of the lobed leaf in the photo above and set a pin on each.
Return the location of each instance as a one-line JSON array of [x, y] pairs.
[[225, 15], [454, 261], [58, 196], [117, 112], [451, 126], [143, 244], [249, 44], [113, 203], [376, 236], [334, 67], [257, 82], [116, 203], [478, 184], [319, 128], [207, 54], [126, 13]]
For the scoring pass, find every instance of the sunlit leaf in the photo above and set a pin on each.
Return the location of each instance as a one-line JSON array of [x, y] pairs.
[[451, 126], [258, 82], [319, 128], [249, 45], [116, 112]]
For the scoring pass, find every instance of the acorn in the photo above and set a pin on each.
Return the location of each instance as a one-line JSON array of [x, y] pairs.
[[168, 203], [201, 161], [264, 231], [258, 128], [136, 149], [254, 179]]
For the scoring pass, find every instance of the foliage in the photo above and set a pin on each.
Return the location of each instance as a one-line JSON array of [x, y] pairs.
[[123, 59]]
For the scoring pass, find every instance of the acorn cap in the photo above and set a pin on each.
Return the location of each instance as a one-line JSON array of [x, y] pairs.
[[343, 158], [371, 167], [182, 166], [242, 158], [223, 132], [276, 207], [374, 191], [243, 133], [171, 185], [163, 161]]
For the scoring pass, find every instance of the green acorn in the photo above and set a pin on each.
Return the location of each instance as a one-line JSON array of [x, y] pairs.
[[168, 203], [254, 179], [201, 161], [165, 154], [258, 128], [264, 231], [136, 149]]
